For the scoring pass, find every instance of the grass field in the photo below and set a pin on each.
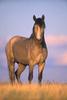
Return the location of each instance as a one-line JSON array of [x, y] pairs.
[[33, 92]]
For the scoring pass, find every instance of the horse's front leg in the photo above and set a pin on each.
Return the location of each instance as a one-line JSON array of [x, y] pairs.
[[30, 77], [40, 71]]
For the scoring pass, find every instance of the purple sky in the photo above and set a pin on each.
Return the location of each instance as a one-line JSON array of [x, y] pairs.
[[16, 18]]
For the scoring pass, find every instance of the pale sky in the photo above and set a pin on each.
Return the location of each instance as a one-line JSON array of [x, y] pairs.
[[16, 18]]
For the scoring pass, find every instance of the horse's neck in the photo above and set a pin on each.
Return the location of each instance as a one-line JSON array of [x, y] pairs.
[[44, 43], [41, 42], [32, 35]]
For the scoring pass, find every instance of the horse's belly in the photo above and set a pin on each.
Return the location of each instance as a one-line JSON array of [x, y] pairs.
[[20, 55], [21, 59]]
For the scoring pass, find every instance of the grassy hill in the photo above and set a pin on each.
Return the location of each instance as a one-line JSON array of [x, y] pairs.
[[33, 92]]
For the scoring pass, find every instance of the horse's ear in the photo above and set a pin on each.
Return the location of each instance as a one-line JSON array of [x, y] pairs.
[[34, 17], [43, 17]]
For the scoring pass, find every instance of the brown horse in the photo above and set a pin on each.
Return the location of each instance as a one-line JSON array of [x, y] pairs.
[[27, 51]]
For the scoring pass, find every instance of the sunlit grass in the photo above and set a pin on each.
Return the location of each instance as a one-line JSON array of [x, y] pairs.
[[33, 92]]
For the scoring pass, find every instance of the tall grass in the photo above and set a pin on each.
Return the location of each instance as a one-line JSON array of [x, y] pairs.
[[33, 92]]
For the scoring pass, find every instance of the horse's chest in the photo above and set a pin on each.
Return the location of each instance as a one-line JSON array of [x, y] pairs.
[[36, 55]]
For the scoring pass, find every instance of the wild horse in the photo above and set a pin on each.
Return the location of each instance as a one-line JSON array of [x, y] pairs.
[[27, 51]]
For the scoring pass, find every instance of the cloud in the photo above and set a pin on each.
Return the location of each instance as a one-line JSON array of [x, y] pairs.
[[59, 58], [62, 59], [3, 60], [54, 40], [0, 43], [59, 53]]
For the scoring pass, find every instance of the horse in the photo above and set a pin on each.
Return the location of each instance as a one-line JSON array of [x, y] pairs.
[[27, 51]]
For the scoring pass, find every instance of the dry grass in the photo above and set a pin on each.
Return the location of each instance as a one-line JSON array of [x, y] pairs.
[[33, 92]]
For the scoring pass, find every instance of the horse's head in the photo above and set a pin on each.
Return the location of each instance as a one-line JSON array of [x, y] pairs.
[[39, 27]]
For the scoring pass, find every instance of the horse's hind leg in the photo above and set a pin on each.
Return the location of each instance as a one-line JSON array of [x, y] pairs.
[[30, 77], [11, 72], [40, 72], [18, 72]]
